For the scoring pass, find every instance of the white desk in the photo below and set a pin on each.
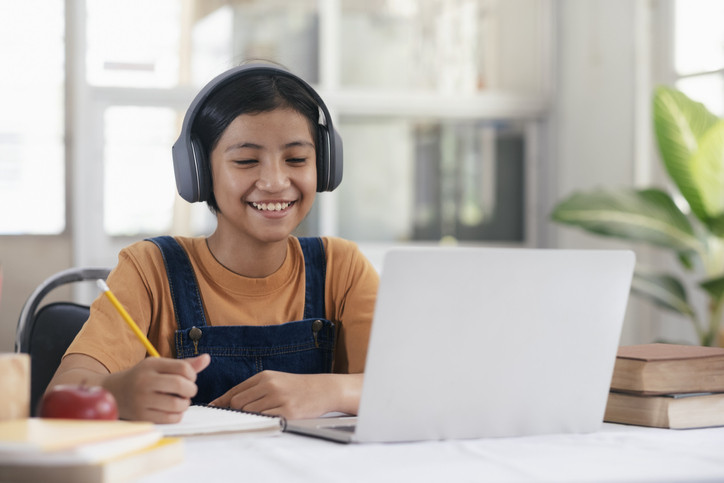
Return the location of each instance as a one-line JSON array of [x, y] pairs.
[[616, 453]]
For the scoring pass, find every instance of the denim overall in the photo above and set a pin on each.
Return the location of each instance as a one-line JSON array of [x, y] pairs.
[[239, 352]]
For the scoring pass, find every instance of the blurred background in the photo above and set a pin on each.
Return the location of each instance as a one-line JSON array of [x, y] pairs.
[[464, 121]]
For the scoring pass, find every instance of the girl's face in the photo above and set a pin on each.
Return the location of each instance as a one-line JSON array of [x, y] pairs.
[[264, 174]]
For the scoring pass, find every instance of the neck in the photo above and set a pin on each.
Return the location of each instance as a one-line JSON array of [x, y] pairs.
[[253, 260]]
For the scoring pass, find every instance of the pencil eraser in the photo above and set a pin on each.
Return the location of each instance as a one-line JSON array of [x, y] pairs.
[[102, 285]]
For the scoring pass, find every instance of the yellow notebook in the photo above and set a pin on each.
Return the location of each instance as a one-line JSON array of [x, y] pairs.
[[65, 440], [36, 449], [165, 453]]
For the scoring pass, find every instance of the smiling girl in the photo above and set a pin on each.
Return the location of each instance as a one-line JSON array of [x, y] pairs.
[[250, 317]]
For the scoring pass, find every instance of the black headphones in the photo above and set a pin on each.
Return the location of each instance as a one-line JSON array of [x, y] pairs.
[[189, 158]]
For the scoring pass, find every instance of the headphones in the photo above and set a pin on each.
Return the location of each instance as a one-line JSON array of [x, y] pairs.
[[189, 157]]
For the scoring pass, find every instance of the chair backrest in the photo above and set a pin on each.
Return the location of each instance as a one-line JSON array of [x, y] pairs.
[[45, 334]]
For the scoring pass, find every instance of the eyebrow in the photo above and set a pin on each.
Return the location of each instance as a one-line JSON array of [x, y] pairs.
[[246, 145]]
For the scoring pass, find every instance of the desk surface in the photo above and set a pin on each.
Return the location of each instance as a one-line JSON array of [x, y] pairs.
[[615, 453]]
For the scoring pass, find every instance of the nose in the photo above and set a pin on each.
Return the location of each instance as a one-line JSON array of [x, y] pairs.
[[273, 177]]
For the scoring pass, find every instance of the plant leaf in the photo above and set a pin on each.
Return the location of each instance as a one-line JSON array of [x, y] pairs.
[[707, 168], [664, 290], [716, 225], [679, 124], [649, 216], [714, 287], [685, 260]]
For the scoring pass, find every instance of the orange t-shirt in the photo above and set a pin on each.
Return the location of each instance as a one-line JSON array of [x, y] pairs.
[[139, 282]]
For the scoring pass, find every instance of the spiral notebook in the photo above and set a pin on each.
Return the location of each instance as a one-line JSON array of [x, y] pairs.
[[210, 419], [488, 342]]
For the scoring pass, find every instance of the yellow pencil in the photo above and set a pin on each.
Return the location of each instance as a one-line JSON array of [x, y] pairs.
[[141, 336]]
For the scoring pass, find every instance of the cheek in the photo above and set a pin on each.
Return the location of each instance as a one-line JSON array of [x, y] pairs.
[[310, 179], [228, 183]]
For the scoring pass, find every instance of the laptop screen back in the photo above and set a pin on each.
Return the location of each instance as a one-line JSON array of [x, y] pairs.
[[482, 342]]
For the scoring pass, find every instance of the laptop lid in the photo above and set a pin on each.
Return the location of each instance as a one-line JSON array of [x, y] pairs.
[[483, 342]]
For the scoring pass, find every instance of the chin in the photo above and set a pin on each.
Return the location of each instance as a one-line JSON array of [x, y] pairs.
[[274, 236]]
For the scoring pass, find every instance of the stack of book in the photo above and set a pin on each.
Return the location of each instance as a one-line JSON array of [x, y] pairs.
[[60, 450], [667, 386], [73, 450]]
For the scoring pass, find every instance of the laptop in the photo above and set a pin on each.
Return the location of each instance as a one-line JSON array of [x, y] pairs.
[[487, 342]]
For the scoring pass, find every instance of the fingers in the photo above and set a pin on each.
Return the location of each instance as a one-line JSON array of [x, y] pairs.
[[173, 384], [224, 401], [199, 363], [162, 408], [282, 394], [163, 417], [187, 368], [267, 405], [256, 396], [159, 389], [273, 393], [244, 393]]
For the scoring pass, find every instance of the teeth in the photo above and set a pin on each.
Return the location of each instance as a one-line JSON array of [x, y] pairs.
[[271, 206]]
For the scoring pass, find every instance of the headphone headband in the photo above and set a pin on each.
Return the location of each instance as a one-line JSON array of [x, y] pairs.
[[189, 158]]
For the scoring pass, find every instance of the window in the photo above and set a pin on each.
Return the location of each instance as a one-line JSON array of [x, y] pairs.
[[147, 56], [138, 177], [699, 51], [32, 156]]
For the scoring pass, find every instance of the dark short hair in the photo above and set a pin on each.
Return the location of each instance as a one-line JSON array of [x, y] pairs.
[[251, 94]]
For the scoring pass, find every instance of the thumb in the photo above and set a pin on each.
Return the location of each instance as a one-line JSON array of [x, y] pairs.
[[199, 363]]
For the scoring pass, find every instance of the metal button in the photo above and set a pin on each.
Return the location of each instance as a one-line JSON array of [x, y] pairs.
[[195, 333]]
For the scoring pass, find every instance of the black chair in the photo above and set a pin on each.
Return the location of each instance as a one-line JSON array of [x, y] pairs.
[[45, 334]]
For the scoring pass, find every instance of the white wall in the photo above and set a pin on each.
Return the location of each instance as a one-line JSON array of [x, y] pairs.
[[593, 112], [600, 124], [593, 118], [26, 262]]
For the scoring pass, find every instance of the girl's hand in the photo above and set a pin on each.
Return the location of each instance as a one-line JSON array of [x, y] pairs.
[[295, 396], [156, 389]]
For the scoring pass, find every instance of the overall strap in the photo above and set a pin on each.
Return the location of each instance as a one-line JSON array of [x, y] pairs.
[[315, 271], [187, 305]]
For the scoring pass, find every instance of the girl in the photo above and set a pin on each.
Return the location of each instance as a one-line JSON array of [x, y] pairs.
[[249, 317]]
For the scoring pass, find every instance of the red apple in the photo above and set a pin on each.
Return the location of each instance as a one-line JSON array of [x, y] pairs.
[[78, 402]]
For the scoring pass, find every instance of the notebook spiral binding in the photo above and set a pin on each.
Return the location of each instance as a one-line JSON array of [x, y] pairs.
[[282, 420]]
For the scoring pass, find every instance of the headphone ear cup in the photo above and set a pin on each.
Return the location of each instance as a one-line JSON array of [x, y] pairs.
[[336, 158], [197, 172], [323, 158], [200, 170], [185, 168]]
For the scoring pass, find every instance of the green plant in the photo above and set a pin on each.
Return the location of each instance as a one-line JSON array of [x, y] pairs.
[[691, 144]]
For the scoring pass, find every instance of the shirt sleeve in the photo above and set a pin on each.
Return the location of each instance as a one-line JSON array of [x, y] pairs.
[[352, 283], [105, 336]]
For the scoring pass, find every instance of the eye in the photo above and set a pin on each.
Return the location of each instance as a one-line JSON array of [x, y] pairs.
[[297, 160], [245, 162]]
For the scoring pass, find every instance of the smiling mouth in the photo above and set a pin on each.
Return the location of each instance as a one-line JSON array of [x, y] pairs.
[[278, 206]]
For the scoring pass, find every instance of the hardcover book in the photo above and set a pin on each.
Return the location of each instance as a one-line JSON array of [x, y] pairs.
[[658, 369], [676, 411]]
